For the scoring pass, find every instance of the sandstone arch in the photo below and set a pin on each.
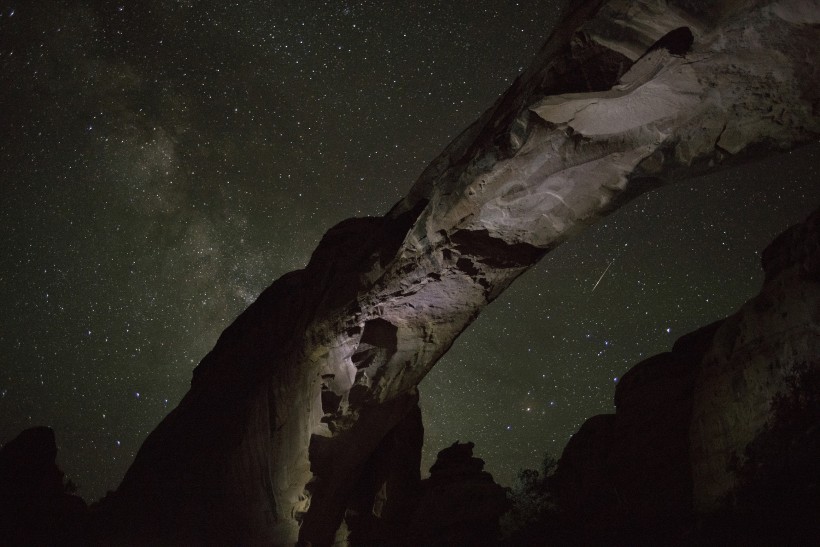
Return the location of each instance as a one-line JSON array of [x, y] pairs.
[[302, 388]]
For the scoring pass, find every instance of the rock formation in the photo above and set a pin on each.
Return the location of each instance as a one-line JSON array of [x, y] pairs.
[[387, 493], [306, 386], [727, 424], [460, 502], [757, 358], [36, 507]]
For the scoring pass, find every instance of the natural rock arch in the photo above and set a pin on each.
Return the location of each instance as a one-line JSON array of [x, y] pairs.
[[302, 388]]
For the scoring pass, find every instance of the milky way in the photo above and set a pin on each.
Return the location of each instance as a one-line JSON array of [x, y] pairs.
[[163, 162]]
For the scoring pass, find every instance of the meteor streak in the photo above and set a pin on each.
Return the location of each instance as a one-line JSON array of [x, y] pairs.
[[602, 275]]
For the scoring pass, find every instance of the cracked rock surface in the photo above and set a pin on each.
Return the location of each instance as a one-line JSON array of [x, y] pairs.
[[298, 393]]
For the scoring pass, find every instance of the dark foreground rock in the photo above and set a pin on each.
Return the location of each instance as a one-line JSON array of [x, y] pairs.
[[461, 504], [716, 442], [35, 507]]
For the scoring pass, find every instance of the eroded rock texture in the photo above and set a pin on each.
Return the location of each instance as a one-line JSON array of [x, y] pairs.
[[285, 413], [726, 426]]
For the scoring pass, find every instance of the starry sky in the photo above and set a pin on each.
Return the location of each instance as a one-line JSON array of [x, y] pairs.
[[163, 161]]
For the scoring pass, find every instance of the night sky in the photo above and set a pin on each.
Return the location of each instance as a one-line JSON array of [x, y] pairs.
[[162, 162]]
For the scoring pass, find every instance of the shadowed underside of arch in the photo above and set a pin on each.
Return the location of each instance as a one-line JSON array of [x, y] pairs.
[[286, 410]]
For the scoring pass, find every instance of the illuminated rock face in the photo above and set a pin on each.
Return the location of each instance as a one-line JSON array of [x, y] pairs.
[[284, 413]]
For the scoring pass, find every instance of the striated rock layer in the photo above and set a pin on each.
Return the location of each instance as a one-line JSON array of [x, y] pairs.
[[306, 386], [725, 425]]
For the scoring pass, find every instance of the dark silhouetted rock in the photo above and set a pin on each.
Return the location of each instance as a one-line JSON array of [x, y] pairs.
[[756, 360], [388, 491], [629, 473], [718, 441], [35, 507], [461, 503], [585, 486]]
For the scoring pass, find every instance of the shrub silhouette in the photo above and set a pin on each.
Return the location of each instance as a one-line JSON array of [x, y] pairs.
[[531, 497]]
